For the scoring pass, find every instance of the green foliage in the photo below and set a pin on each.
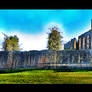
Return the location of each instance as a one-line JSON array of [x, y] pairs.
[[11, 43], [54, 39]]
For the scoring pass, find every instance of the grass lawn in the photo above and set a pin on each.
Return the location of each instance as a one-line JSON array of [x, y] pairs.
[[32, 76]]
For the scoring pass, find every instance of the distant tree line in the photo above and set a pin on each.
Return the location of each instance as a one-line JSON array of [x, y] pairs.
[[11, 43]]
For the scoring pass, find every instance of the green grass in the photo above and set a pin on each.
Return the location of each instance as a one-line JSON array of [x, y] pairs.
[[39, 76]]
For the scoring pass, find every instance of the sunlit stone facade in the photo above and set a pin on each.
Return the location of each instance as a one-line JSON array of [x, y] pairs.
[[71, 44], [84, 41]]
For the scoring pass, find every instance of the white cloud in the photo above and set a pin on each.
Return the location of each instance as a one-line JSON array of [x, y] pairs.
[[29, 42], [33, 42], [39, 42]]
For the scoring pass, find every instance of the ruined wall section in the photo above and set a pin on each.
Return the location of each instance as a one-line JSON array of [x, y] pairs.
[[37, 59]]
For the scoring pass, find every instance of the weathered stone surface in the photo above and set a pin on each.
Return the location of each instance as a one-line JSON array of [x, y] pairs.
[[37, 59]]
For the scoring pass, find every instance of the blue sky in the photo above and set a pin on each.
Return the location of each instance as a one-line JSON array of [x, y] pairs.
[[34, 22]]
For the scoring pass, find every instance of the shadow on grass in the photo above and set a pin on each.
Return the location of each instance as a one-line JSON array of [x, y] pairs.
[[20, 70], [33, 69], [72, 70]]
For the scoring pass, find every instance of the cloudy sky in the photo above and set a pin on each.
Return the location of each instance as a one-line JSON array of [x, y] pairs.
[[31, 26]]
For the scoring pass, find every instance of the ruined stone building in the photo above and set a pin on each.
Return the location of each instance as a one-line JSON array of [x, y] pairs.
[[71, 44], [84, 41]]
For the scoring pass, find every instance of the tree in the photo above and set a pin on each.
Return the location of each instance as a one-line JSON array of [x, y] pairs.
[[54, 39], [10, 61], [10, 43]]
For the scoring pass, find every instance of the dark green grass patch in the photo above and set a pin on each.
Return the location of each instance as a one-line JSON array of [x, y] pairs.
[[40, 76], [33, 69]]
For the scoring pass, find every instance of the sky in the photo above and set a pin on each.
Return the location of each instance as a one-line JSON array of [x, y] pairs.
[[32, 26]]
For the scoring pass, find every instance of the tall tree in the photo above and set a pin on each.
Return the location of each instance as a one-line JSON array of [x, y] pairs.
[[10, 43], [54, 39]]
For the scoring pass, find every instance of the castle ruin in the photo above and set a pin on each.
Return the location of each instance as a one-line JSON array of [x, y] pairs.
[[84, 41], [79, 56]]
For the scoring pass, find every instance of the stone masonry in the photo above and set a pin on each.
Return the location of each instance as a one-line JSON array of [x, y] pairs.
[[84, 41], [45, 58]]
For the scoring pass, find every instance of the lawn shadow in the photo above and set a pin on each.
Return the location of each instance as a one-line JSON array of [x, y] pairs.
[[19, 70], [33, 69], [72, 70]]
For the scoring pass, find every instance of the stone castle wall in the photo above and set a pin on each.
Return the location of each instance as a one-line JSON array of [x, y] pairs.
[[38, 59]]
